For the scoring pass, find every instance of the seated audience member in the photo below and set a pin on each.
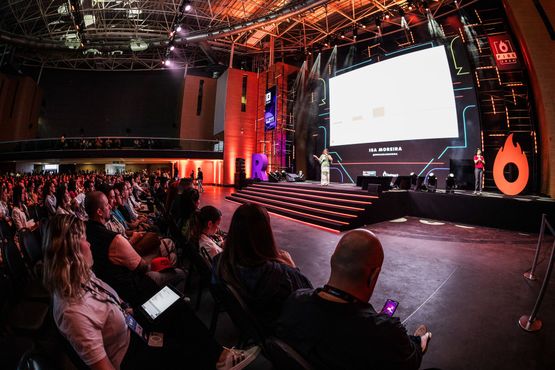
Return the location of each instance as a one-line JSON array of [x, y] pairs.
[[175, 192], [206, 231], [117, 262], [19, 210], [63, 201], [49, 198], [250, 262], [190, 202], [335, 327], [4, 209], [92, 316]]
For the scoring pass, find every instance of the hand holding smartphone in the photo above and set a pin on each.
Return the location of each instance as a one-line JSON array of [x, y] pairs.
[[389, 307]]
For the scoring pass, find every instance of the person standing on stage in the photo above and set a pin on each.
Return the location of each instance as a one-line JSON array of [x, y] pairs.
[[200, 177], [325, 161], [479, 163]]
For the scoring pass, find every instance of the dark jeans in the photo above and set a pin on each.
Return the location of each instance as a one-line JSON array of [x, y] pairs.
[[187, 343], [478, 173]]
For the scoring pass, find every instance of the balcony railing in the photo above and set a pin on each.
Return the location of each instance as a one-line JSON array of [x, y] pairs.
[[109, 143]]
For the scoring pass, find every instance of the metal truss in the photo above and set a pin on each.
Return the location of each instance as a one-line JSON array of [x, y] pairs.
[[136, 34]]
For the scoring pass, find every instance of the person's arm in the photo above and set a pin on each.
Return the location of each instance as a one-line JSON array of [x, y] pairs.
[[330, 158], [122, 253], [103, 364]]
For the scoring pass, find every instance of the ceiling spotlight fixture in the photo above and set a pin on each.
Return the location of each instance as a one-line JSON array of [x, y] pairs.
[[187, 6], [172, 48], [178, 29], [387, 16]]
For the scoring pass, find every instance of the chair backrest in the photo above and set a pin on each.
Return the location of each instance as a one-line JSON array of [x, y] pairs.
[[6, 231], [238, 311], [15, 263], [284, 357], [31, 246], [34, 360]]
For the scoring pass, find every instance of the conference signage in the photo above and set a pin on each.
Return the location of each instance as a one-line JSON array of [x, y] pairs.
[[504, 52], [511, 153], [270, 109]]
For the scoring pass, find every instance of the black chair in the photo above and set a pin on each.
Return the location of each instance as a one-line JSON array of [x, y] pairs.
[[32, 250], [239, 313], [6, 231], [23, 315], [28, 287], [283, 356], [35, 360]]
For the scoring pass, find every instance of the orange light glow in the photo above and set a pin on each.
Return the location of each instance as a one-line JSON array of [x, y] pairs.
[[510, 153]]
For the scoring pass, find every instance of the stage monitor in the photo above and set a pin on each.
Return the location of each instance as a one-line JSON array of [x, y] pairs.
[[409, 97]]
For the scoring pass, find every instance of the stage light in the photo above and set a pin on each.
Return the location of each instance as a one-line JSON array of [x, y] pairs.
[[172, 48], [167, 62], [432, 182], [450, 183], [178, 29], [187, 6], [378, 21], [387, 16], [355, 32]]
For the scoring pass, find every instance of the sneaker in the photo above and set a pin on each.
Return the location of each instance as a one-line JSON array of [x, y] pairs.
[[238, 359], [474, 192]]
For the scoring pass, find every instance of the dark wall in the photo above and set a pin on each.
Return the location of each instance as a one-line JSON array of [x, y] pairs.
[[111, 103]]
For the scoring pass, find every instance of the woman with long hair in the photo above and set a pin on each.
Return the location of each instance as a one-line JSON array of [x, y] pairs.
[[63, 201], [20, 215], [92, 317], [252, 263]]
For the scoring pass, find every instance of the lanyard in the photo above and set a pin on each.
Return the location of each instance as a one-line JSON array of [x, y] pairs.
[[338, 293], [111, 297]]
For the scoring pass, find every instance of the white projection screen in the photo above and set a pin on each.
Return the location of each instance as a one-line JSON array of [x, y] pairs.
[[409, 97]]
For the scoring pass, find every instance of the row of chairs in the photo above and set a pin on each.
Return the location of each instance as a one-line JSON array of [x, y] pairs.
[[228, 300]]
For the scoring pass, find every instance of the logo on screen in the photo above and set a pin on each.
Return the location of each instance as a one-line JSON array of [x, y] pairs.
[[268, 97]]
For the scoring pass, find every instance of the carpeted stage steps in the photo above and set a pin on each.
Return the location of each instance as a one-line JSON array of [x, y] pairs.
[[334, 208]]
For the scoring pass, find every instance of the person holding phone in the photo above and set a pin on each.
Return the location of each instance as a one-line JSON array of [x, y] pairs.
[[96, 322], [335, 327], [479, 164], [325, 161]]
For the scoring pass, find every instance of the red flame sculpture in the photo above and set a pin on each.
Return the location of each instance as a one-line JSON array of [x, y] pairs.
[[510, 153]]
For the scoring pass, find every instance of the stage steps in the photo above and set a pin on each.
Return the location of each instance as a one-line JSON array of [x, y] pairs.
[[329, 207]]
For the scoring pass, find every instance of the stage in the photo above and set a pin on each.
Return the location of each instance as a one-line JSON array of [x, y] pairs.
[[340, 207]]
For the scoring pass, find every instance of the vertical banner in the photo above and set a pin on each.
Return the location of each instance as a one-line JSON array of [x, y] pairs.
[[270, 109], [504, 52]]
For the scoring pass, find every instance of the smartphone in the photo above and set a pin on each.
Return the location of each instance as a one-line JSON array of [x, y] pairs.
[[389, 307], [136, 327]]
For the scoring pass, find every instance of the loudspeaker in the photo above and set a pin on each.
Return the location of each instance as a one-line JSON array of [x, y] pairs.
[[374, 189]]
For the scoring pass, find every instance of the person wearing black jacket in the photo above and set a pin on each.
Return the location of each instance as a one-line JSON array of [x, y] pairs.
[[334, 327]]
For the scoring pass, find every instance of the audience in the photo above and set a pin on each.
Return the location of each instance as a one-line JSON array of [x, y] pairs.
[[251, 263], [92, 316], [335, 327], [117, 262]]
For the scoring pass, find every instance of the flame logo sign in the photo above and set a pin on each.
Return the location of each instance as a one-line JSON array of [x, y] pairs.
[[510, 153]]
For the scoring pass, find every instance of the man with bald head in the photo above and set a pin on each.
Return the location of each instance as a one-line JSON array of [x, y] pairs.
[[334, 327]]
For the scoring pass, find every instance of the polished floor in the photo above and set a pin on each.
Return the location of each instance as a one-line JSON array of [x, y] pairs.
[[464, 282]]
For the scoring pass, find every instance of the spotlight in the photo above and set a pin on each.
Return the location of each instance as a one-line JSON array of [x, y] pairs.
[[172, 48], [178, 29], [187, 6], [355, 32], [450, 183], [378, 21], [167, 62], [432, 183], [387, 16]]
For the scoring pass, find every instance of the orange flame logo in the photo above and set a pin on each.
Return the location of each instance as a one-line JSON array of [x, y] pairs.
[[510, 153]]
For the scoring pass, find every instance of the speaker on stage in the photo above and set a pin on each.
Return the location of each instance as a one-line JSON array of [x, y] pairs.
[[374, 189]]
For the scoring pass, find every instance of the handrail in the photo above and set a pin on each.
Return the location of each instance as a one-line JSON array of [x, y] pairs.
[[109, 143]]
